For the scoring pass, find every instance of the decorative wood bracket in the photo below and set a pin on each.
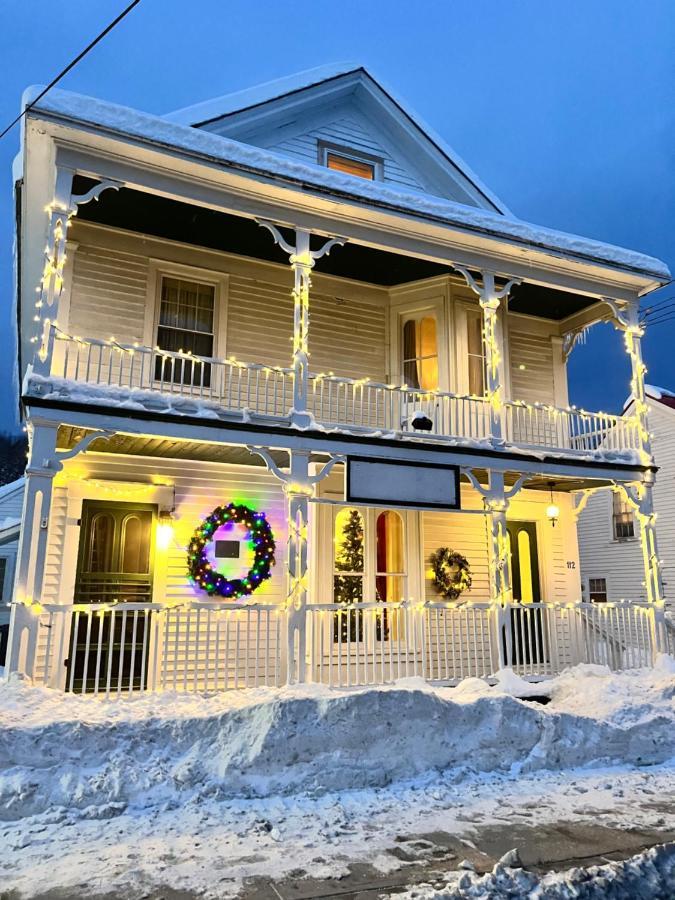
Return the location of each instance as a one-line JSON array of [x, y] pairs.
[[625, 313], [301, 253], [490, 494], [81, 446], [285, 477], [487, 292]]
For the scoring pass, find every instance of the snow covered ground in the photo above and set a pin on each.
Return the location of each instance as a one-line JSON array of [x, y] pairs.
[[201, 792]]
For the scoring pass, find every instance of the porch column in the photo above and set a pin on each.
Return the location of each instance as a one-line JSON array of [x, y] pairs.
[[496, 504], [627, 320], [302, 259], [639, 496], [32, 551], [62, 208], [493, 342], [298, 492]]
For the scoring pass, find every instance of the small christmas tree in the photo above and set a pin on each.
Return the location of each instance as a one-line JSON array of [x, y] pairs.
[[348, 589]]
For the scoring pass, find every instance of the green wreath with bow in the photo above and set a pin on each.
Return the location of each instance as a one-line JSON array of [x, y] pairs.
[[452, 573]]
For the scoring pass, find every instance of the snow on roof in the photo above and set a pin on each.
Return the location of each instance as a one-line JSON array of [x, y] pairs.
[[663, 395], [159, 131], [238, 101], [7, 489], [260, 93]]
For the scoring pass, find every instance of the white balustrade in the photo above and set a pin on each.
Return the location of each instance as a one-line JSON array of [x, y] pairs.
[[571, 429], [361, 406], [232, 385], [370, 406]]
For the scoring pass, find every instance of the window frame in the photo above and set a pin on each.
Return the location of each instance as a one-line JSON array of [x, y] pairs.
[[464, 308], [324, 148], [9, 553], [615, 539], [219, 281], [402, 310], [591, 578]]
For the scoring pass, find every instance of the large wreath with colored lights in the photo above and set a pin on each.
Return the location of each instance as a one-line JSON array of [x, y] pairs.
[[206, 577], [452, 574]]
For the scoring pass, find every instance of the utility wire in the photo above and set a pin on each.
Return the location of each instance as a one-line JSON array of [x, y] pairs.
[[71, 65]]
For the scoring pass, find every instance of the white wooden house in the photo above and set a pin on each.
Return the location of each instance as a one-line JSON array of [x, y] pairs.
[[609, 534], [176, 358], [11, 503]]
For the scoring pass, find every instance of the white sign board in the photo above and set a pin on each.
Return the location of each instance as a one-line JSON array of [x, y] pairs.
[[397, 483]]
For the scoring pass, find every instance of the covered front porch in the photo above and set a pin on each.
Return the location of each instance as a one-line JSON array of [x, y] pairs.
[[353, 597]]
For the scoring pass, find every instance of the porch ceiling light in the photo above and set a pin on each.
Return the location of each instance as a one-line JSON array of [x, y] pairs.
[[165, 529], [552, 510]]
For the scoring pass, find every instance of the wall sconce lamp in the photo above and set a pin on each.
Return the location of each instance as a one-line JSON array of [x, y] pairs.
[[552, 510], [165, 528]]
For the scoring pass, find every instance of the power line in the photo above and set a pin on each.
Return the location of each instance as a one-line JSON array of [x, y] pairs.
[[666, 318], [71, 65]]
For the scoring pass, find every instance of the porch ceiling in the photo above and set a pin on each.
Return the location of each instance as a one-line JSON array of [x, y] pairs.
[[173, 448], [167, 448], [151, 214]]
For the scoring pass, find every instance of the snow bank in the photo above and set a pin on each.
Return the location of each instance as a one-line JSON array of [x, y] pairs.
[[647, 875], [63, 751]]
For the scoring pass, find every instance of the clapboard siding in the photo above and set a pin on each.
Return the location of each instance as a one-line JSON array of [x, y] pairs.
[[467, 534], [620, 562], [109, 294], [534, 383], [199, 488], [11, 500], [352, 132]]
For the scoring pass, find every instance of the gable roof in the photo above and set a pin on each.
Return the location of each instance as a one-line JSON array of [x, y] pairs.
[[226, 114], [662, 396]]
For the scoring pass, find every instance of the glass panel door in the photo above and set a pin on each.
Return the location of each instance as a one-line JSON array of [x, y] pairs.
[[114, 567], [527, 626]]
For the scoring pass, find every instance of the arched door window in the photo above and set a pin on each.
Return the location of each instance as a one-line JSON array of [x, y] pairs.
[[390, 572]]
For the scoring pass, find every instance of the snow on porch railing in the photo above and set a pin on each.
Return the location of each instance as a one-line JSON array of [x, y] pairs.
[[538, 425], [544, 639], [372, 406], [377, 643], [126, 648], [130, 648], [233, 385]]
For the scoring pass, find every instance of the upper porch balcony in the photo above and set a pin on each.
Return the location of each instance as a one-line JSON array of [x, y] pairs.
[[402, 346], [112, 374]]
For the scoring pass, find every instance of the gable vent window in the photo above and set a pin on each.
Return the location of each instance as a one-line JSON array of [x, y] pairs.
[[623, 523], [350, 166]]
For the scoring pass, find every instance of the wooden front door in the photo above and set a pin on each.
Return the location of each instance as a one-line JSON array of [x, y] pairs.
[[527, 638], [114, 566]]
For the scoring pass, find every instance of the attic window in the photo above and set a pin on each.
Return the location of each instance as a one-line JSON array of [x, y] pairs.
[[350, 166], [350, 162]]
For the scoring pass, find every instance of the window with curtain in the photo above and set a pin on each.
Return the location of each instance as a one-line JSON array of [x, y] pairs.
[[475, 352], [390, 573], [420, 353], [623, 523], [186, 323]]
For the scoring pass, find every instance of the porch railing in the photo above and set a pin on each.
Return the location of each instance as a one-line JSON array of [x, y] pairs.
[[536, 425], [372, 406], [227, 383], [230, 386], [205, 647]]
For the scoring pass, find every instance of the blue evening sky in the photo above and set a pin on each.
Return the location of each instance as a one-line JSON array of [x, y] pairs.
[[565, 109]]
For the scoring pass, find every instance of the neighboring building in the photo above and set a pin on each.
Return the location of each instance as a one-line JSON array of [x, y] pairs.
[[609, 534], [221, 492], [11, 502]]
